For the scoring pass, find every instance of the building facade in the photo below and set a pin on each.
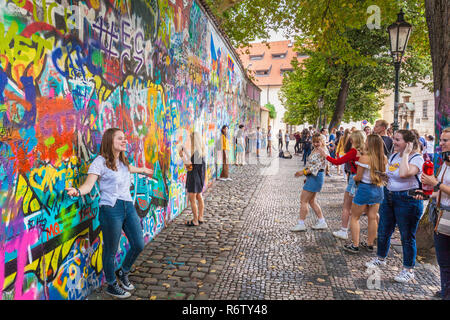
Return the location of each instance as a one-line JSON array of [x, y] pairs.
[[267, 65], [416, 109]]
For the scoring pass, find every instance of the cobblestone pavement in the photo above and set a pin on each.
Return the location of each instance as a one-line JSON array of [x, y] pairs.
[[246, 251]]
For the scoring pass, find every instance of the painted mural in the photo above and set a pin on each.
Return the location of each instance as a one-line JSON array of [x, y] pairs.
[[68, 71]]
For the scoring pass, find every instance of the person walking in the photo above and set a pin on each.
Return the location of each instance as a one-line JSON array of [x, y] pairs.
[[314, 181], [280, 140], [269, 141], [298, 139], [240, 146], [116, 210], [441, 195], [286, 140], [354, 148], [307, 146], [224, 175], [340, 147], [371, 168], [258, 137], [194, 160], [398, 207], [430, 147]]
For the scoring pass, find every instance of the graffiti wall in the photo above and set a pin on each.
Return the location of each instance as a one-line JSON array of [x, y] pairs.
[[68, 71]]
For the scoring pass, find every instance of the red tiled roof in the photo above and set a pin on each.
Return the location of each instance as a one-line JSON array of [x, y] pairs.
[[268, 62]]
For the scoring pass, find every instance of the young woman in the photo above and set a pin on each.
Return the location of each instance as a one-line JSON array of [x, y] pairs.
[[354, 147], [398, 207], [113, 172], [314, 181], [194, 160], [225, 149], [340, 147], [269, 141], [240, 146], [287, 139], [369, 194]]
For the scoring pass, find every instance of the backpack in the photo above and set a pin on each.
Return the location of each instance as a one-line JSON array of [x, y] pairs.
[[285, 155]]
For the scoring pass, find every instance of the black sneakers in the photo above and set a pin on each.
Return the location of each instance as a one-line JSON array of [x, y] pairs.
[[116, 291], [123, 278], [367, 247], [351, 248]]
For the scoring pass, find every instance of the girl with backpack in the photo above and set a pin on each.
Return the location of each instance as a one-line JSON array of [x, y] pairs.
[[314, 181], [398, 207], [353, 149], [370, 174]]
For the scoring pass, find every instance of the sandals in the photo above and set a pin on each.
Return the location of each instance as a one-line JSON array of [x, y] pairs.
[[200, 221], [190, 223]]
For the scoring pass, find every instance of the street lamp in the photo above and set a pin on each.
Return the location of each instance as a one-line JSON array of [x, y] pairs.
[[320, 105], [399, 33]]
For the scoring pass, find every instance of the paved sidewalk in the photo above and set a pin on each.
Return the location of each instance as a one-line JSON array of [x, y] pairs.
[[246, 251]]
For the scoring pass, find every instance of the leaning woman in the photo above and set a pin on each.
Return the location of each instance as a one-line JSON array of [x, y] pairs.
[[398, 207], [194, 160], [113, 172]]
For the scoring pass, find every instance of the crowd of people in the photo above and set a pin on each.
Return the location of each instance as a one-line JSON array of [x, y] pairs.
[[384, 181]]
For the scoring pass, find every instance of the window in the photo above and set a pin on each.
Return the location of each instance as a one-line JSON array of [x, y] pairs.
[[301, 55], [262, 72], [425, 109], [283, 71], [279, 55], [418, 120], [256, 56]]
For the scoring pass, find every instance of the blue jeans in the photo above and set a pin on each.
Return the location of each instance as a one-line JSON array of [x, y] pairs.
[[112, 220], [306, 153], [399, 209], [442, 245]]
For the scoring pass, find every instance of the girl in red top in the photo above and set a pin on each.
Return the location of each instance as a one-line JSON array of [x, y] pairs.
[[356, 142]]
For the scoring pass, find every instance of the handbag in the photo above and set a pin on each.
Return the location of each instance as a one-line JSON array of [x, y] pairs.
[[443, 216]]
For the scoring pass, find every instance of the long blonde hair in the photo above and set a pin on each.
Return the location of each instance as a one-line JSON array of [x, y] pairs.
[[377, 160], [358, 140], [197, 144]]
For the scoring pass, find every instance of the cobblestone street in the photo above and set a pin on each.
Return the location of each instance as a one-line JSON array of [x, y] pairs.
[[246, 251]]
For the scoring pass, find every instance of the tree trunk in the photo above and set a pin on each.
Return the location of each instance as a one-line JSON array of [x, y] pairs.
[[437, 14], [340, 103]]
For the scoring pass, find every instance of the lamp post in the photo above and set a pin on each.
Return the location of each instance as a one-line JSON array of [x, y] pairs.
[[320, 105], [399, 33]]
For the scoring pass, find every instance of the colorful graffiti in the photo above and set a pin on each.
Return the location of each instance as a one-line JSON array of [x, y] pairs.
[[69, 70]]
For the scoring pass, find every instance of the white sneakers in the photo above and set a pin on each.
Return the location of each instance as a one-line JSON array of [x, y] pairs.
[[341, 234], [318, 226], [225, 179], [299, 227], [404, 276], [375, 262]]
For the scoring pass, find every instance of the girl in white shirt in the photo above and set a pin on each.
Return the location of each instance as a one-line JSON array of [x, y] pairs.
[[398, 207], [113, 173]]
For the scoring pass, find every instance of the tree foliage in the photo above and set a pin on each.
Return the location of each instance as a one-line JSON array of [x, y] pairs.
[[341, 46]]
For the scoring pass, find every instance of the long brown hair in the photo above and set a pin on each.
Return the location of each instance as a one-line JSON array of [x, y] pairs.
[[106, 149], [377, 160]]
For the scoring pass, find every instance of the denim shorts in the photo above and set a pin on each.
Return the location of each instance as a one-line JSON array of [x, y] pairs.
[[368, 194], [351, 186], [314, 183]]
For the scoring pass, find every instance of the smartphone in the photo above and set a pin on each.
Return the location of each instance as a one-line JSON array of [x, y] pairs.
[[418, 192]]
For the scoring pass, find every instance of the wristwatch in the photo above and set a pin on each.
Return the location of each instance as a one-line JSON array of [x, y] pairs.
[[436, 187]]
